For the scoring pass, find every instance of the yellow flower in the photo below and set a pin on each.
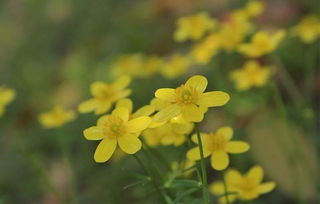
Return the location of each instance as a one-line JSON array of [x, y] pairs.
[[143, 111], [151, 65], [262, 43], [104, 95], [234, 31], [193, 27], [131, 65], [206, 49], [57, 117], [117, 129], [189, 100], [250, 75], [308, 29], [254, 8], [218, 145], [244, 187], [6, 96], [176, 66], [171, 133]]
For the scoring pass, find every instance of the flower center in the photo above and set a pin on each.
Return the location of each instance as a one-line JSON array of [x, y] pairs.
[[247, 185], [106, 93], [186, 95], [114, 127], [217, 142]]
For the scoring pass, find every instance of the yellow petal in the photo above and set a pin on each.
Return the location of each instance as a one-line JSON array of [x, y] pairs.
[[102, 107], [217, 188], [122, 113], [167, 113], [6, 95], [198, 82], [194, 154], [236, 147], [87, 106], [256, 173], [203, 136], [226, 131], [130, 144], [102, 120], [192, 113], [219, 160], [105, 150], [125, 103], [138, 124], [93, 133], [144, 111], [213, 99], [122, 82], [96, 87], [166, 94], [266, 187], [233, 177]]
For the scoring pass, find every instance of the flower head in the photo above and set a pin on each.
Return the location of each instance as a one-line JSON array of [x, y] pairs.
[[218, 145], [206, 49], [131, 65], [193, 27], [308, 29], [117, 129], [57, 117], [250, 75], [244, 187], [171, 133], [262, 43], [254, 8], [189, 100], [104, 95], [6, 96]]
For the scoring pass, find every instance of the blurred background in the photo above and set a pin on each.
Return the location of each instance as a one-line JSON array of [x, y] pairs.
[[52, 50]]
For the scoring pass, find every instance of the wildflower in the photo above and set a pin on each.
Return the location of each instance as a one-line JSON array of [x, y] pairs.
[[193, 27], [262, 43], [234, 31], [206, 49], [244, 187], [176, 66], [104, 95], [254, 8], [308, 29], [151, 65], [6, 96], [171, 133], [131, 65], [57, 117], [189, 100], [117, 129], [250, 75], [218, 145]]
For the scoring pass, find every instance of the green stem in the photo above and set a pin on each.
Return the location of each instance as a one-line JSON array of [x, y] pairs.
[[203, 169], [164, 196]]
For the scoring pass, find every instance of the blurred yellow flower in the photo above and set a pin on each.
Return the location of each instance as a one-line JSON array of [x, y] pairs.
[[57, 117], [104, 95], [6, 96], [171, 133], [262, 43], [234, 31], [131, 65], [254, 8], [308, 29], [189, 100], [218, 145], [193, 27], [244, 187], [151, 65], [203, 51], [117, 129], [176, 66], [250, 75]]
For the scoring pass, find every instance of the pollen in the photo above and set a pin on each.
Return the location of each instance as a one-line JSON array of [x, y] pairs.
[[217, 143], [186, 95], [114, 127]]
